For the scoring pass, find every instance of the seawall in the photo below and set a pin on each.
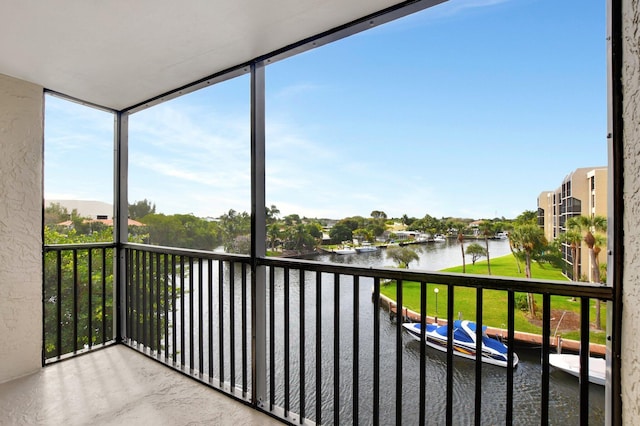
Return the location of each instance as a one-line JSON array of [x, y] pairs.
[[520, 337]]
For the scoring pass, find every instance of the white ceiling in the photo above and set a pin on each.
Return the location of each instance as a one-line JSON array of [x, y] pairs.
[[119, 53]]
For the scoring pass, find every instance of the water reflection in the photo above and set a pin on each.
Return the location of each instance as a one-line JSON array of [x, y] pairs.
[[432, 256], [321, 312]]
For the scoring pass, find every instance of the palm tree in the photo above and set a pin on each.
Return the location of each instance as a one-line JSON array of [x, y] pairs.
[[600, 240], [528, 241], [515, 255], [461, 241], [507, 228], [592, 229], [274, 233], [588, 226], [272, 213], [573, 239], [487, 229]]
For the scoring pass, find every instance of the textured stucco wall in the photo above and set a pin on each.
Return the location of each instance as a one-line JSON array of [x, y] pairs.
[[21, 109], [631, 280]]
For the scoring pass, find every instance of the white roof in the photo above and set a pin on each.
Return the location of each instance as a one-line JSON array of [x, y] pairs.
[[120, 53]]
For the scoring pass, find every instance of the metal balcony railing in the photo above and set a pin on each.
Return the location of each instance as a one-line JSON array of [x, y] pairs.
[[319, 347], [77, 299]]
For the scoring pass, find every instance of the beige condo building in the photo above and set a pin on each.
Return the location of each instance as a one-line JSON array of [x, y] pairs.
[[583, 192]]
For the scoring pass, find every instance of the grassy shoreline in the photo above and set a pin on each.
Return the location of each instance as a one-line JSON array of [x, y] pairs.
[[495, 301]]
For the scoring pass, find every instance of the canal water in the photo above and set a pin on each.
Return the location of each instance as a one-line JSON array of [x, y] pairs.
[[431, 256], [564, 391]]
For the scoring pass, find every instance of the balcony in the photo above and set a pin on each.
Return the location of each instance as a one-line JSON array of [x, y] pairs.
[[311, 345], [571, 207], [135, 319], [116, 385]]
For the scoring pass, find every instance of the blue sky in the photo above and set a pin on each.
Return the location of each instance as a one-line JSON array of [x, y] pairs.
[[467, 109]]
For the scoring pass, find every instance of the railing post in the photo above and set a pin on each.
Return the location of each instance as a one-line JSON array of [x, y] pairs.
[[121, 222], [258, 238]]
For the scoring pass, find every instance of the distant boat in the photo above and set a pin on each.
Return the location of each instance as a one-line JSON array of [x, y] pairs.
[[440, 238], [366, 248], [571, 364], [464, 341], [501, 236], [344, 250]]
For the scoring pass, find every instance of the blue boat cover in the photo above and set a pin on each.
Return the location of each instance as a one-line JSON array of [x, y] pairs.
[[430, 327], [458, 333], [471, 325], [494, 344]]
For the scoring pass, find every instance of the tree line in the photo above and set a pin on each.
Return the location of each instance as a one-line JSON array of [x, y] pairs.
[[232, 229], [232, 232], [289, 233]]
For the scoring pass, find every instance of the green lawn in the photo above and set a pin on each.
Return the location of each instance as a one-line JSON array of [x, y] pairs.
[[494, 302]]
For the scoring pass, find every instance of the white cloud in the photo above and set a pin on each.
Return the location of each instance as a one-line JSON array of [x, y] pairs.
[[463, 4], [187, 160], [295, 90], [78, 153], [453, 7], [190, 159]]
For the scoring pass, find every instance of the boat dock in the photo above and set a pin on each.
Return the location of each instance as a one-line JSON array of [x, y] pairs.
[[558, 343]]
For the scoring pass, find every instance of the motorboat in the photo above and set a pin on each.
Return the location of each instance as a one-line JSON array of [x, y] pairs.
[[344, 250], [464, 341], [366, 248], [571, 364], [439, 238], [422, 238]]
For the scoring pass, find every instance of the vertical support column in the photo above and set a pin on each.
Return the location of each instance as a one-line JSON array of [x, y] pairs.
[[121, 220], [258, 237], [615, 209]]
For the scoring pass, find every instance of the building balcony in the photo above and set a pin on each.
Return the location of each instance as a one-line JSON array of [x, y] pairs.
[[300, 341], [117, 385]]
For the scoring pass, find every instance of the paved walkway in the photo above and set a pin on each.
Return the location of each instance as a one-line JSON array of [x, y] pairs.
[[118, 386]]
